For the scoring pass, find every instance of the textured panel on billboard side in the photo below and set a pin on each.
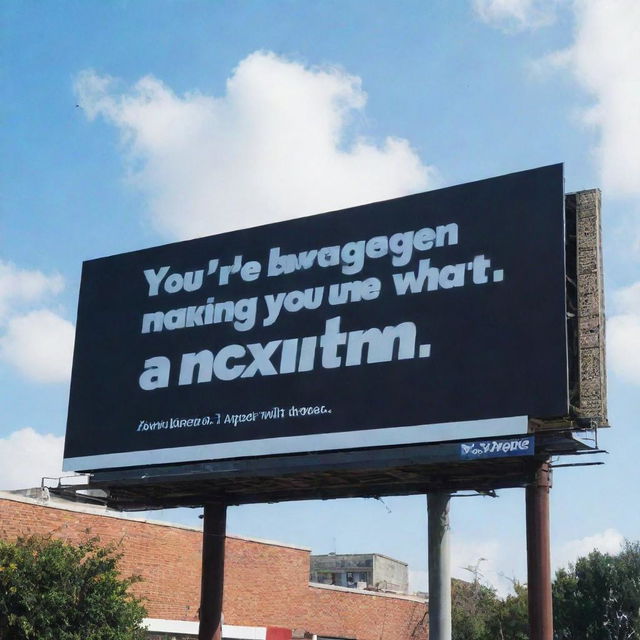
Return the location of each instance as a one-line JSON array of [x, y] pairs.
[[591, 316]]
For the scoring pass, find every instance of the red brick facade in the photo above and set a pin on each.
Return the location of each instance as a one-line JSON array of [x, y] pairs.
[[266, 584]]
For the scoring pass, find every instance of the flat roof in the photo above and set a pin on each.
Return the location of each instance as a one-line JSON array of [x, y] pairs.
[[361, 555], [54, 502], [366, 592]]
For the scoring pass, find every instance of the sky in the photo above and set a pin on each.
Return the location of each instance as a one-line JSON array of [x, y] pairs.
[[127, 124]]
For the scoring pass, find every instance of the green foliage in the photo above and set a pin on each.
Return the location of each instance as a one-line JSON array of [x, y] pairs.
[[51, 590], [511, 620], [478, 614], [598, 598], [473, 605]]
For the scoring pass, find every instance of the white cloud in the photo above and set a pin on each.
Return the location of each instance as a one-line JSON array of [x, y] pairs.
[[627, 300], [19, 286], [418, 580], [485, 558], [40, 345], [498, 562], [495, 563], [623, 334], [26, 456], [516, 15], [609, 541], [278, 144], [604, 60]]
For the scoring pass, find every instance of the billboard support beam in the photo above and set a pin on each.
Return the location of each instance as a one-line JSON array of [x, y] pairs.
[[539, 555], [439, 566], [212, 580]]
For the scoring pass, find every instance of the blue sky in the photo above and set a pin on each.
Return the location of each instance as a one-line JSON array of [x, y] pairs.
[[127, 124]]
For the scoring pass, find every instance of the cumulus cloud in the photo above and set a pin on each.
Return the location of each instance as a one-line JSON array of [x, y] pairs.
[[485, 559], [604, 60], [494, 562], [38, 342], [20, 286], [627, 300], [515, 15], [418, 581], [490, 560], [499, 562], [40, 345], [280, 143], [623, 334], [26, 456], [608, 541]]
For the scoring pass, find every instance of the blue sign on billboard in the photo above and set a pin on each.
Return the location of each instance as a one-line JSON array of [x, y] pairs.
[[497, 448]]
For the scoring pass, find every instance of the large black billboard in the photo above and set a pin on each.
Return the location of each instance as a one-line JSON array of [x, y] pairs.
[[436, 316]]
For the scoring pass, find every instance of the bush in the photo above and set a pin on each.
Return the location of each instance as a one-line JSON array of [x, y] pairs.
[[51, 590]]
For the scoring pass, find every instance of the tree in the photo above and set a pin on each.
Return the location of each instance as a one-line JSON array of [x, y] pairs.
[[473, 605], [51, 590], [511, 618], [598, 598]]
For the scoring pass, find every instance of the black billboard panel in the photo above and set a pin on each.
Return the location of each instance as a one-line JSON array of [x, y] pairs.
[[429, 317]]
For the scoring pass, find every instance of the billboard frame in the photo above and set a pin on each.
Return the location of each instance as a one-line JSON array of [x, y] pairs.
[[388, 436], [406, 467]]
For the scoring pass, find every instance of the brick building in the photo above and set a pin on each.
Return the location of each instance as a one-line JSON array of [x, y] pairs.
[[266, 583]]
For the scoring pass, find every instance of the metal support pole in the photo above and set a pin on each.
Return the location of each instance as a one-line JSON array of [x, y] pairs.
[[439, 566], [539, 555], [212, 581]]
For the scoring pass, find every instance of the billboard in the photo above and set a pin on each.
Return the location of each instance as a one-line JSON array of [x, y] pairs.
[[436, 316]]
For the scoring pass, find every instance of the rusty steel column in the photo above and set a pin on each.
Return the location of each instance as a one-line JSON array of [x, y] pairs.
[[212, 580], [539, 555]]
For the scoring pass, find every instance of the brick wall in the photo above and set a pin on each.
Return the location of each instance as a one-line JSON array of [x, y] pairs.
[[266, 584]]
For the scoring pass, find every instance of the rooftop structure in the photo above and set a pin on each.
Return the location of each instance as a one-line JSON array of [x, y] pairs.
[[361, 570]]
